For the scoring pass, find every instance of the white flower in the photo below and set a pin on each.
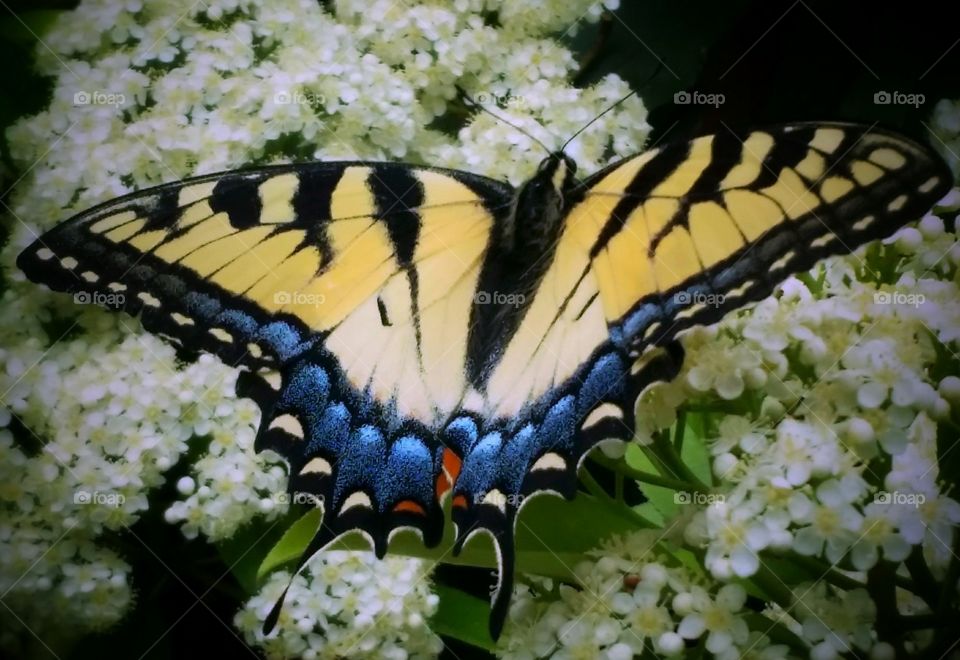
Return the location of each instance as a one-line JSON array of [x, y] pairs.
[[717, 363], [718, 619]]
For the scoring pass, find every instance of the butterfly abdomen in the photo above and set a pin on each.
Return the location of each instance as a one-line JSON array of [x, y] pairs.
[[520, 254]]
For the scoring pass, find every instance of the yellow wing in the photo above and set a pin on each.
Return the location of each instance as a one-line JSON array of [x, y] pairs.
[[680, 235], [377, 261]]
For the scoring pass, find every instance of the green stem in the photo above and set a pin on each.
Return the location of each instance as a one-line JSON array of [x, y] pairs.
[[777, 632], [773, 586], [680, 468], [616, 506], [621, 468], [679, 431], [944, 610], [658, 461], [883, 592], [595, 488], [925, 585], [826, 572]]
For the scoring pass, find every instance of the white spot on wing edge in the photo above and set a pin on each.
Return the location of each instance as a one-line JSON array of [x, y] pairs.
[[863, 223], [272, 378], [549, 461], [356, 498], [496, 499], [317, 465], [823, 240], [222, 335], [783, 261], [148, 299], [288, 423], [45, 254], [897, 203], [601, 412], [929, 184]]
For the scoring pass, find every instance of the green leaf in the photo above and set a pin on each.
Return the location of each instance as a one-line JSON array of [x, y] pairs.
[[292, 544], [695, 454], [246, 551], [659, 498], [462, 616]]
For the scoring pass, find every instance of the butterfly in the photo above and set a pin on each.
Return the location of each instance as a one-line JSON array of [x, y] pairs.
[[414, 333]]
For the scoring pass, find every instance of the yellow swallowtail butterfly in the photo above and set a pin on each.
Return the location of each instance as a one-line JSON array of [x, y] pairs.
[[411, 331]]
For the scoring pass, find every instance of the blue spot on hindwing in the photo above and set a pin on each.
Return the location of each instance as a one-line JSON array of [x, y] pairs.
[[605, 381], [516, 457], [331, 431], [559, 425], [408, 474], [641, 319], [480, 466], [307, 389], [365, 449], [239, 322], [461, 435], [281, 338]]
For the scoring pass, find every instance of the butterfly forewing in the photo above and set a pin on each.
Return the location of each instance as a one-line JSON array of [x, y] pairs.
[[682, 234]]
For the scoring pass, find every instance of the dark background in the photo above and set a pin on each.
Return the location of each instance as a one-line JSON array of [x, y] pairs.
[[772, 61]]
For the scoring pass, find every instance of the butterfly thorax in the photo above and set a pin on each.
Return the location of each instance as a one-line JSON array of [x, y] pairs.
[[539, 206], [521, 255]]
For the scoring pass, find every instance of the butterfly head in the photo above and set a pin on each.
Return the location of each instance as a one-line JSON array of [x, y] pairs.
[[559, 170], [541, 201]]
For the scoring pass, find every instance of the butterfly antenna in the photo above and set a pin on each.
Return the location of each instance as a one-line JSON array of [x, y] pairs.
[[614, 105], [505, 121]]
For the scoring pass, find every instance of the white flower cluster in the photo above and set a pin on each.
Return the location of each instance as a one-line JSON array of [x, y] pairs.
[[98, 420], [851, 364], [150, 92], [630, 596], [347, 605]]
